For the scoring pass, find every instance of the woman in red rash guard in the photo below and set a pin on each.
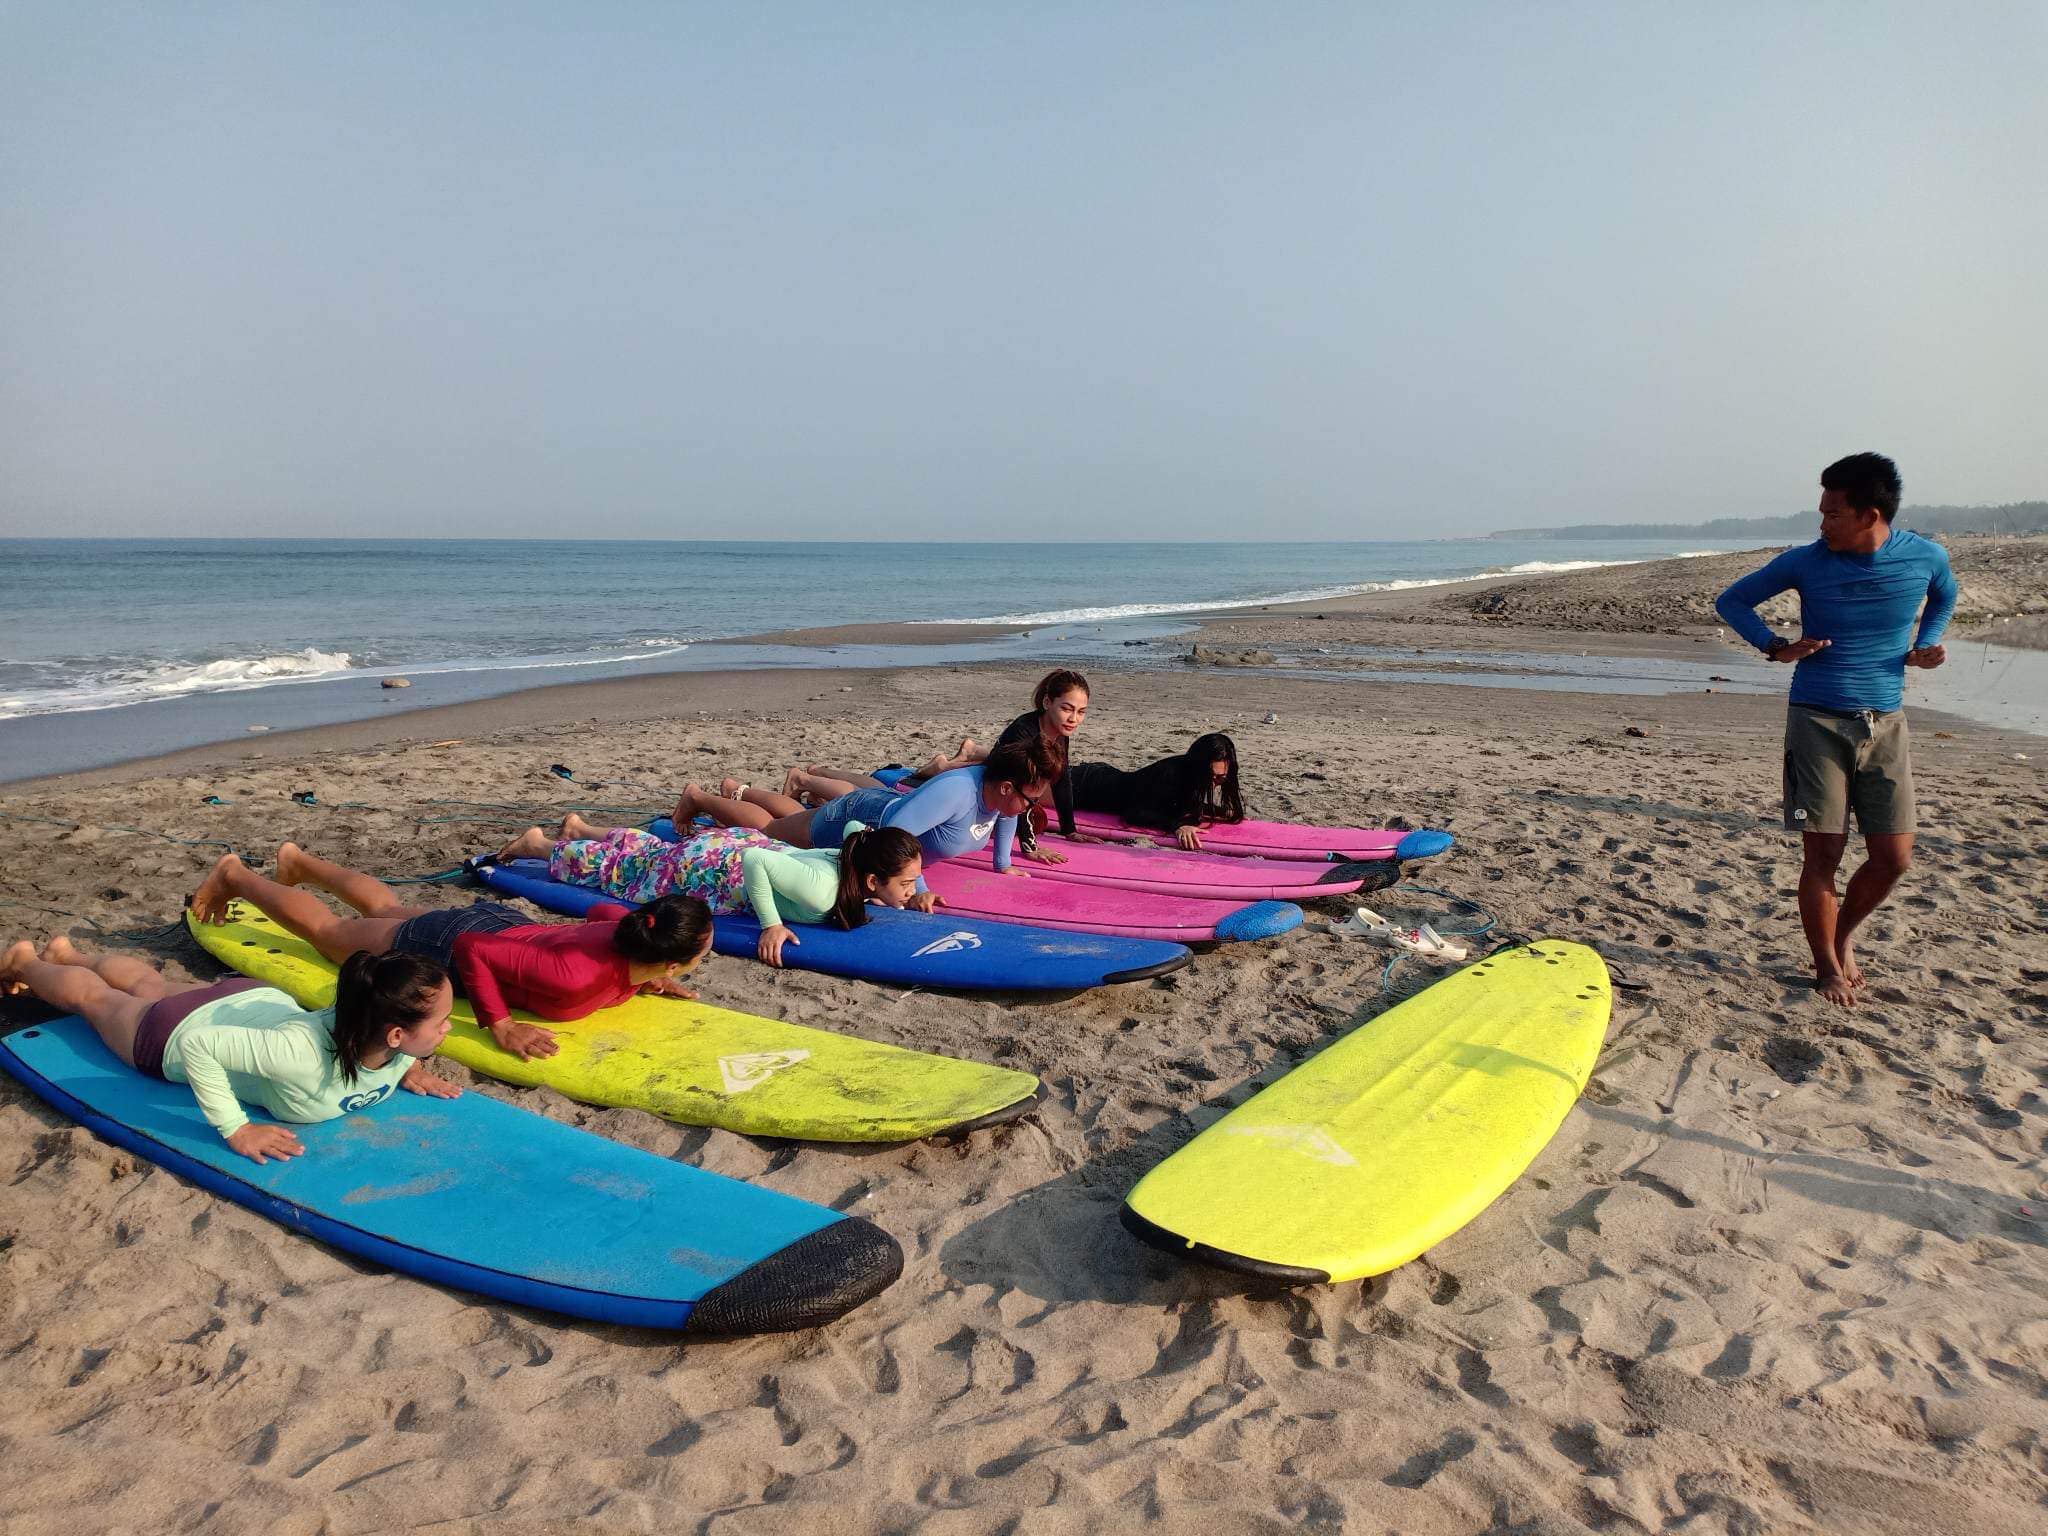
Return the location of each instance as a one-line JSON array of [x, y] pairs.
[[500, 961]]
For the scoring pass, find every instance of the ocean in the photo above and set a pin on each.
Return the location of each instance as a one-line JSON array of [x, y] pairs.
[[169, 643]]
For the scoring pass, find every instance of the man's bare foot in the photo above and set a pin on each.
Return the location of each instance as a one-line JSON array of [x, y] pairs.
[[533, 843], [1835, 988], [576, 829], [290, 864], [1845, 961], [61, 951], [792, 782], [730, 788], [12, 961], [210, 901]]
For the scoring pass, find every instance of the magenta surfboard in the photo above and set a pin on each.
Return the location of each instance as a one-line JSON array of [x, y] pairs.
[[1287, 840], [1208, 875], [1104, 909]]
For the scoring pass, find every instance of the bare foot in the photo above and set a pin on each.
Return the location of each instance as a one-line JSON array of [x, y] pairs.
[[576, 829], [533, 843], [61, 951], [210, 901], [730, 788], [792, 785], [1845, 961], [291, 864], [17, 955], [1835, 988]]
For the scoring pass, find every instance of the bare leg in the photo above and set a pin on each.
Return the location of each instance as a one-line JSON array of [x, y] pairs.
[[302, 912], [530, 844], [1888, 856], [970, 753], [114, 1014], [775, 805], [366, 893], [533, 843], [697, 802], [846, 776], [1818, 913], [812, 788], [124, 973]]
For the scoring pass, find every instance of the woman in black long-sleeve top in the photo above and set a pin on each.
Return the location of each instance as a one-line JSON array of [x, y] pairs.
[[1175, 794]]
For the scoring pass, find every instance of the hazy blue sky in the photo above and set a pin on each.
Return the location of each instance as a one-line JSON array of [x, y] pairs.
[[1078, 271]]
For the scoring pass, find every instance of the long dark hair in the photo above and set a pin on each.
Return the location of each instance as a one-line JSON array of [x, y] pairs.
[[884, 852], [376, 992], [667, 931], [1056, 684], [1208, 800]]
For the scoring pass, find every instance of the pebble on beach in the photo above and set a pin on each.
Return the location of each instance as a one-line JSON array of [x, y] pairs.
[[397, 682]]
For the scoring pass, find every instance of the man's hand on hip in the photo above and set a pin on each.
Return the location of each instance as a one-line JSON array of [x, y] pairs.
[[1927, 656], [1799, 650]]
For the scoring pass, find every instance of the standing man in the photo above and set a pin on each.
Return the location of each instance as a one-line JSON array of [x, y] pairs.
[[1861, 587]]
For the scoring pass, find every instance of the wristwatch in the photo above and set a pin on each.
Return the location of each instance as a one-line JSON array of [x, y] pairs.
[[1777, 644]]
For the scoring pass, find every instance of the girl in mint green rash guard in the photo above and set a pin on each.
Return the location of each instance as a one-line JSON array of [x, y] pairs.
[[240, 1040], [733, 870]]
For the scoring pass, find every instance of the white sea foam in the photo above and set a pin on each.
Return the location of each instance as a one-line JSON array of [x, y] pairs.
[[1147, 610], [238, 672], [140, 685]]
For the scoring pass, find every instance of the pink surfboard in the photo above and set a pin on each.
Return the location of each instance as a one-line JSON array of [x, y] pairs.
[[1103, 909], [1288, 840], [1209, 875]]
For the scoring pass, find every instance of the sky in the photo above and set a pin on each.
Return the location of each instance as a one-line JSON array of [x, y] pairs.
[[1053, 271]]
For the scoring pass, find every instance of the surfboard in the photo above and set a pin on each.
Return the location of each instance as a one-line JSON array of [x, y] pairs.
[[684, 1061], [1288, 840], [1211, 877], [1078, 908], [1396, 1136], [489, 1198], [905, 949], [1104, 909]]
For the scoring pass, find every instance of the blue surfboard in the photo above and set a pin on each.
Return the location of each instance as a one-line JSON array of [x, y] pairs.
[[902, 949], [489, 1198]]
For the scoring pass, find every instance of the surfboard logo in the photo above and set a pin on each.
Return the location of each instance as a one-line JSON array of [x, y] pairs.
[[356, 1101], [951, 942], [753, 1068], [1305, 1139]]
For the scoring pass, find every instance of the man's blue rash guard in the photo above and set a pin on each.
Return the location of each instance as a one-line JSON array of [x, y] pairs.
[[947, 817], [1863, 605]]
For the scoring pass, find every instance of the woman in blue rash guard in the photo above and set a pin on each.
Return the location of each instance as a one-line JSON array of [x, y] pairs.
[[955, 813]]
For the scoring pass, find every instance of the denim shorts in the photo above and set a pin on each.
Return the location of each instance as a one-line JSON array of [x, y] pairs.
[[866, 806], [432, 935]]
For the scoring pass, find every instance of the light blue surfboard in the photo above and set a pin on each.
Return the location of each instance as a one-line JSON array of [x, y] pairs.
[[473, 1193], [903, 949]]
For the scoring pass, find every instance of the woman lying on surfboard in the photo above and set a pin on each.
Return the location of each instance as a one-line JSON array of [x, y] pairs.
[[241, 1039], [1175, 794], [1059, 707], [502, 958], [729, 869], [955, 813]]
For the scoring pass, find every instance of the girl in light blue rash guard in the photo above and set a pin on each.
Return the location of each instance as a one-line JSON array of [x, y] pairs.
[[955, 813]]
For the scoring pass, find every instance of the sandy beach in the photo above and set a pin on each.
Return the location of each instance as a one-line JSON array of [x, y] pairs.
[[1784, 1268]]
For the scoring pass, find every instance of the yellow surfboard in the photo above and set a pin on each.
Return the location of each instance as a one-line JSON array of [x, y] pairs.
[[1396, 1136], [687, 1061]]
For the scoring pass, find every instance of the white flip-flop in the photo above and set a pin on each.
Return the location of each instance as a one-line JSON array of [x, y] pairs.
[[1424, 942]]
